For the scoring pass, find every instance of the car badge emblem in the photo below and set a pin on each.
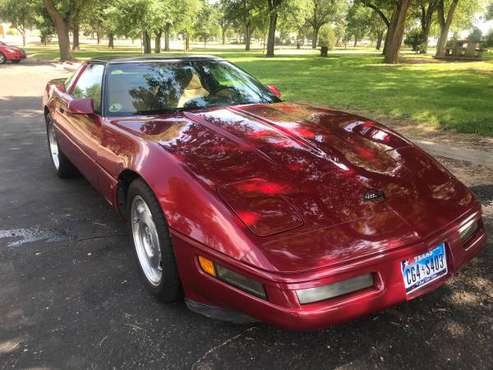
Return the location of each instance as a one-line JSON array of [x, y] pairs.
[[372, 194]]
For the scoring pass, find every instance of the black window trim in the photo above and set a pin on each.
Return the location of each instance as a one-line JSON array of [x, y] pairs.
[[81, 73]]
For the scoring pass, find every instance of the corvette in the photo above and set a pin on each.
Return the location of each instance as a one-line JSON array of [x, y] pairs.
[[252, 208], [11, 53]]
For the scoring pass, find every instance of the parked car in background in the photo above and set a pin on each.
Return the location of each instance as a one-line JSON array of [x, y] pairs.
[[11, 53], [292, 214]]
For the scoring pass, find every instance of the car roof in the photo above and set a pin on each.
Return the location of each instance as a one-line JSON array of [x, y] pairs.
[[149, 59]]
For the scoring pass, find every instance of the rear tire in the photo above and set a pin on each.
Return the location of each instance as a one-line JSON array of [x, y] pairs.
[[152, 243], [63, 167]]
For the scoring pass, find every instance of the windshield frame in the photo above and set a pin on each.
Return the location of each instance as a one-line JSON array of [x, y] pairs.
[[105, 88]]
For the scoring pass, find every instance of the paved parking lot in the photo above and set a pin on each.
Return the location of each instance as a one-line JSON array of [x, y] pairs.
[[70, 295]]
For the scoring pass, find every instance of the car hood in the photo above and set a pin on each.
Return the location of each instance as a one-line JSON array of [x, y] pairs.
[[313, 185]]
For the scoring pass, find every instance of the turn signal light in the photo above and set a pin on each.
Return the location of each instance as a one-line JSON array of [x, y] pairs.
[[207, 266]]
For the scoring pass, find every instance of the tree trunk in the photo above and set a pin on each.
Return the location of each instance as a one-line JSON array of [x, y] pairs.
[[98, 37], [426, 20], [146, 41], [167, 29], [111, 40], [396, 32], [187, 42], [444, 25], [24, 38], [157, 42], [379, 40], [248, 36], [315, 37], [271, 36], [75, 43], [61, 27], [223, 35], [355, 41]]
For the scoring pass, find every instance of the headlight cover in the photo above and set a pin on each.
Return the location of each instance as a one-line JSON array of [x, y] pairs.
[[321, 293]]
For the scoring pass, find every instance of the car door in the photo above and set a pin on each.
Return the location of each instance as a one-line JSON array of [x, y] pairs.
[[83, 131]]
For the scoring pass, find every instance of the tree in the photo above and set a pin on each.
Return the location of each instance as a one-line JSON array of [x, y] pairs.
[[43, 23], [320, 14], [273, 7], [445, 17], [222, 18], [396, 32], [244, 12], [21, 13], [207, 22], [187, 14], [425, 10], [61, 16], [294, 18], [489, 12], [383, 9], [358, 22]]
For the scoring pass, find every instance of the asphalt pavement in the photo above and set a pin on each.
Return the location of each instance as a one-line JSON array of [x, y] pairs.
[[71, 296]]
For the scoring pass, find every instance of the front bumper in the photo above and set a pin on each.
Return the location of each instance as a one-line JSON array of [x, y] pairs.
[[282, 307]]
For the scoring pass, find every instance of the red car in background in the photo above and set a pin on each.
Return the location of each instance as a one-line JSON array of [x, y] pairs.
[[252, 207], [11, 53]]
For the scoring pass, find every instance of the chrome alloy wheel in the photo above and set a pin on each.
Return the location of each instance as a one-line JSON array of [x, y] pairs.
[[53, 144], [146, 240]]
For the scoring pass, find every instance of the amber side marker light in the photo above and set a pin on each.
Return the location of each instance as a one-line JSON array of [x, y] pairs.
[[232, 278], [207, 266]]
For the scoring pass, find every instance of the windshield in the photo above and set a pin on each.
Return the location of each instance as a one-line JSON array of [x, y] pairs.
[[159, 87]]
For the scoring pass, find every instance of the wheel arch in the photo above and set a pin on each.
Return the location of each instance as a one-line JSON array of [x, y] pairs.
[[125, 178]]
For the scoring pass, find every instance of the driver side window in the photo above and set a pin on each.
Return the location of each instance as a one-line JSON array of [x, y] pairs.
[[89, 85]]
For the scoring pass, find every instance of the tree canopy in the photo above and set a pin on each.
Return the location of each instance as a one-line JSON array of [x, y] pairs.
[[268, 22]]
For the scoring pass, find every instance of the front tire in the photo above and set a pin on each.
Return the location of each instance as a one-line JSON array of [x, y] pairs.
[[3, 59], [64, 168], [152, 243]]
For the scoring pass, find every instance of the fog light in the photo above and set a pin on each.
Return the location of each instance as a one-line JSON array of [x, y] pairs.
[[233, 278], [467, 230], [321, 293]]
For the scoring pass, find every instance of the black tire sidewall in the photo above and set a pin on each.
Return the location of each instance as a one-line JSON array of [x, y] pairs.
[[169, 289]]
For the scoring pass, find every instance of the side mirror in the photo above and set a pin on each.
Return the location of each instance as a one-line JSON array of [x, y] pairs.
[[275, 90], [81, 106]]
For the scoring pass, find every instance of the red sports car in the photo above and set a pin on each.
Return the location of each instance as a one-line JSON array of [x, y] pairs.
[[252, 207], [11, 53]]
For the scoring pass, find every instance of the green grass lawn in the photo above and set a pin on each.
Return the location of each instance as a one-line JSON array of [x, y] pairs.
[[453, 95]]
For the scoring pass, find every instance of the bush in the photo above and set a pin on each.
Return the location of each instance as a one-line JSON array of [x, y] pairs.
[[327, 37], [475, 35], [414, 39]]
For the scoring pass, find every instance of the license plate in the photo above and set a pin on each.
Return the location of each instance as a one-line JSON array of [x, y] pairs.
[[421, 270]]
